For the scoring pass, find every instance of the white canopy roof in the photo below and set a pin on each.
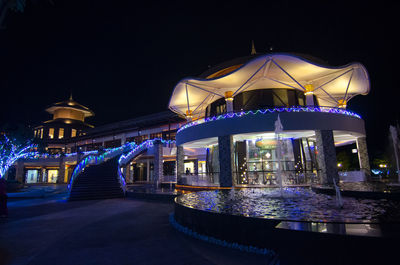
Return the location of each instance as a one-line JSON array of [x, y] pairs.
[[331, 84]]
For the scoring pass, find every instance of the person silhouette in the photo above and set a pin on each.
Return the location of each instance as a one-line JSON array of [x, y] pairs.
[[3, 198]]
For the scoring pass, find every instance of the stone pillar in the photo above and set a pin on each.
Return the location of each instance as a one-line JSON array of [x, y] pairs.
[[158, 162], [180, 164], [19, 172], [363, 155], [226, 162], [326, 155], [61, 170]]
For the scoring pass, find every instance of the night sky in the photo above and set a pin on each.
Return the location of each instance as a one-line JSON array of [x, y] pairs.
[[122, 58]]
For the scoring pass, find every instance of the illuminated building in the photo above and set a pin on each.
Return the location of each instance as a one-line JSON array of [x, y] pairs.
[[231, 110], [68, 122], [224, 125]]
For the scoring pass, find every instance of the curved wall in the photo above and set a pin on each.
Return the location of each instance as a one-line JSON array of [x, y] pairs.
[[265, 122]]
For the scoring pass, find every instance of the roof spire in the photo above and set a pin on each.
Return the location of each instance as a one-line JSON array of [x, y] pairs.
[[70, 97], [253, 48]]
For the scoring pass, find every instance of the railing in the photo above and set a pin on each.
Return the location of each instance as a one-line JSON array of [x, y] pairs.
[[169, 178], [201, 179], [272, 110], [270, 178], [255, 178], [124, 159], [99, 157]]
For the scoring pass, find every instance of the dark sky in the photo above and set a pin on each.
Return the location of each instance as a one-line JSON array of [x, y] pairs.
[[122, 58]]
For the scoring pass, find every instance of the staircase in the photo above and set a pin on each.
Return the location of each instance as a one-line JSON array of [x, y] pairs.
[[97, 182]]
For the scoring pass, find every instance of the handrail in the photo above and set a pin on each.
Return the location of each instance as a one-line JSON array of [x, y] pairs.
[[124, 159], [132, 150], [98, 158]]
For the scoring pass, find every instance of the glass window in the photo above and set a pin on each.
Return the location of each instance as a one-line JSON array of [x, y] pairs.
[[41, 133], [52, 176], [73, 133], [61, 133], [259, 99], [51, 133], [32, 176], [155, 135]]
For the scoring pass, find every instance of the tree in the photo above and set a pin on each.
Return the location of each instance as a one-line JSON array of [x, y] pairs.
[[11, 150], [14, 5], [5, 5]]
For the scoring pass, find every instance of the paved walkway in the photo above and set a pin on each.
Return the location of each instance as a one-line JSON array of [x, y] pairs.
[[118, 231]]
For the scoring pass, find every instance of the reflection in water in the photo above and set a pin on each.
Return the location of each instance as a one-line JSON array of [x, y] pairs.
[[297, 204], [333, 228]]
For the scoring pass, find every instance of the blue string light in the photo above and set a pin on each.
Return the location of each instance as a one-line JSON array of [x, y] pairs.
[[224, 243], [124, 159], [11, 151], [96, 158], [274, 110]]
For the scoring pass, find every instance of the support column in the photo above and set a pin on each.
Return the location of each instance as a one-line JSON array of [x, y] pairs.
[[61, 170], [180, 164], [148, 170], [19, 172], [229, 101], [123, 139], [43, 174], [128, 173], [363, 158], [226, 165], [309, 94], [326, 155], [158, 162], [78, 156], [196, 167], [189, 115]]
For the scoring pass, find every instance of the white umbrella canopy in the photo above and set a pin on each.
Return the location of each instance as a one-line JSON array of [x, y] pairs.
[[331, 85]]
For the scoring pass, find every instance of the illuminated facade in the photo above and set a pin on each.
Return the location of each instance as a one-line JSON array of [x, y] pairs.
[[224, 126], [64, 154], [68, 122], [231, 110]]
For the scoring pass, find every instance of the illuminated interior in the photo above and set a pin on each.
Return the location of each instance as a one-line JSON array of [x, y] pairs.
[[255, 158]]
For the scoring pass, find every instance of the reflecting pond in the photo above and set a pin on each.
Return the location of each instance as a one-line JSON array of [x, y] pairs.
[[297, 204]]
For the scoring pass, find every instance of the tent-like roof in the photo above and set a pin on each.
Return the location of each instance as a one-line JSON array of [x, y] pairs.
[[331, 85]]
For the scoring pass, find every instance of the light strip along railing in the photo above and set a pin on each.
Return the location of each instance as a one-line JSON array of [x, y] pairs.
[[47, 155], [272, 110], [98, 158], [124, 159]]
